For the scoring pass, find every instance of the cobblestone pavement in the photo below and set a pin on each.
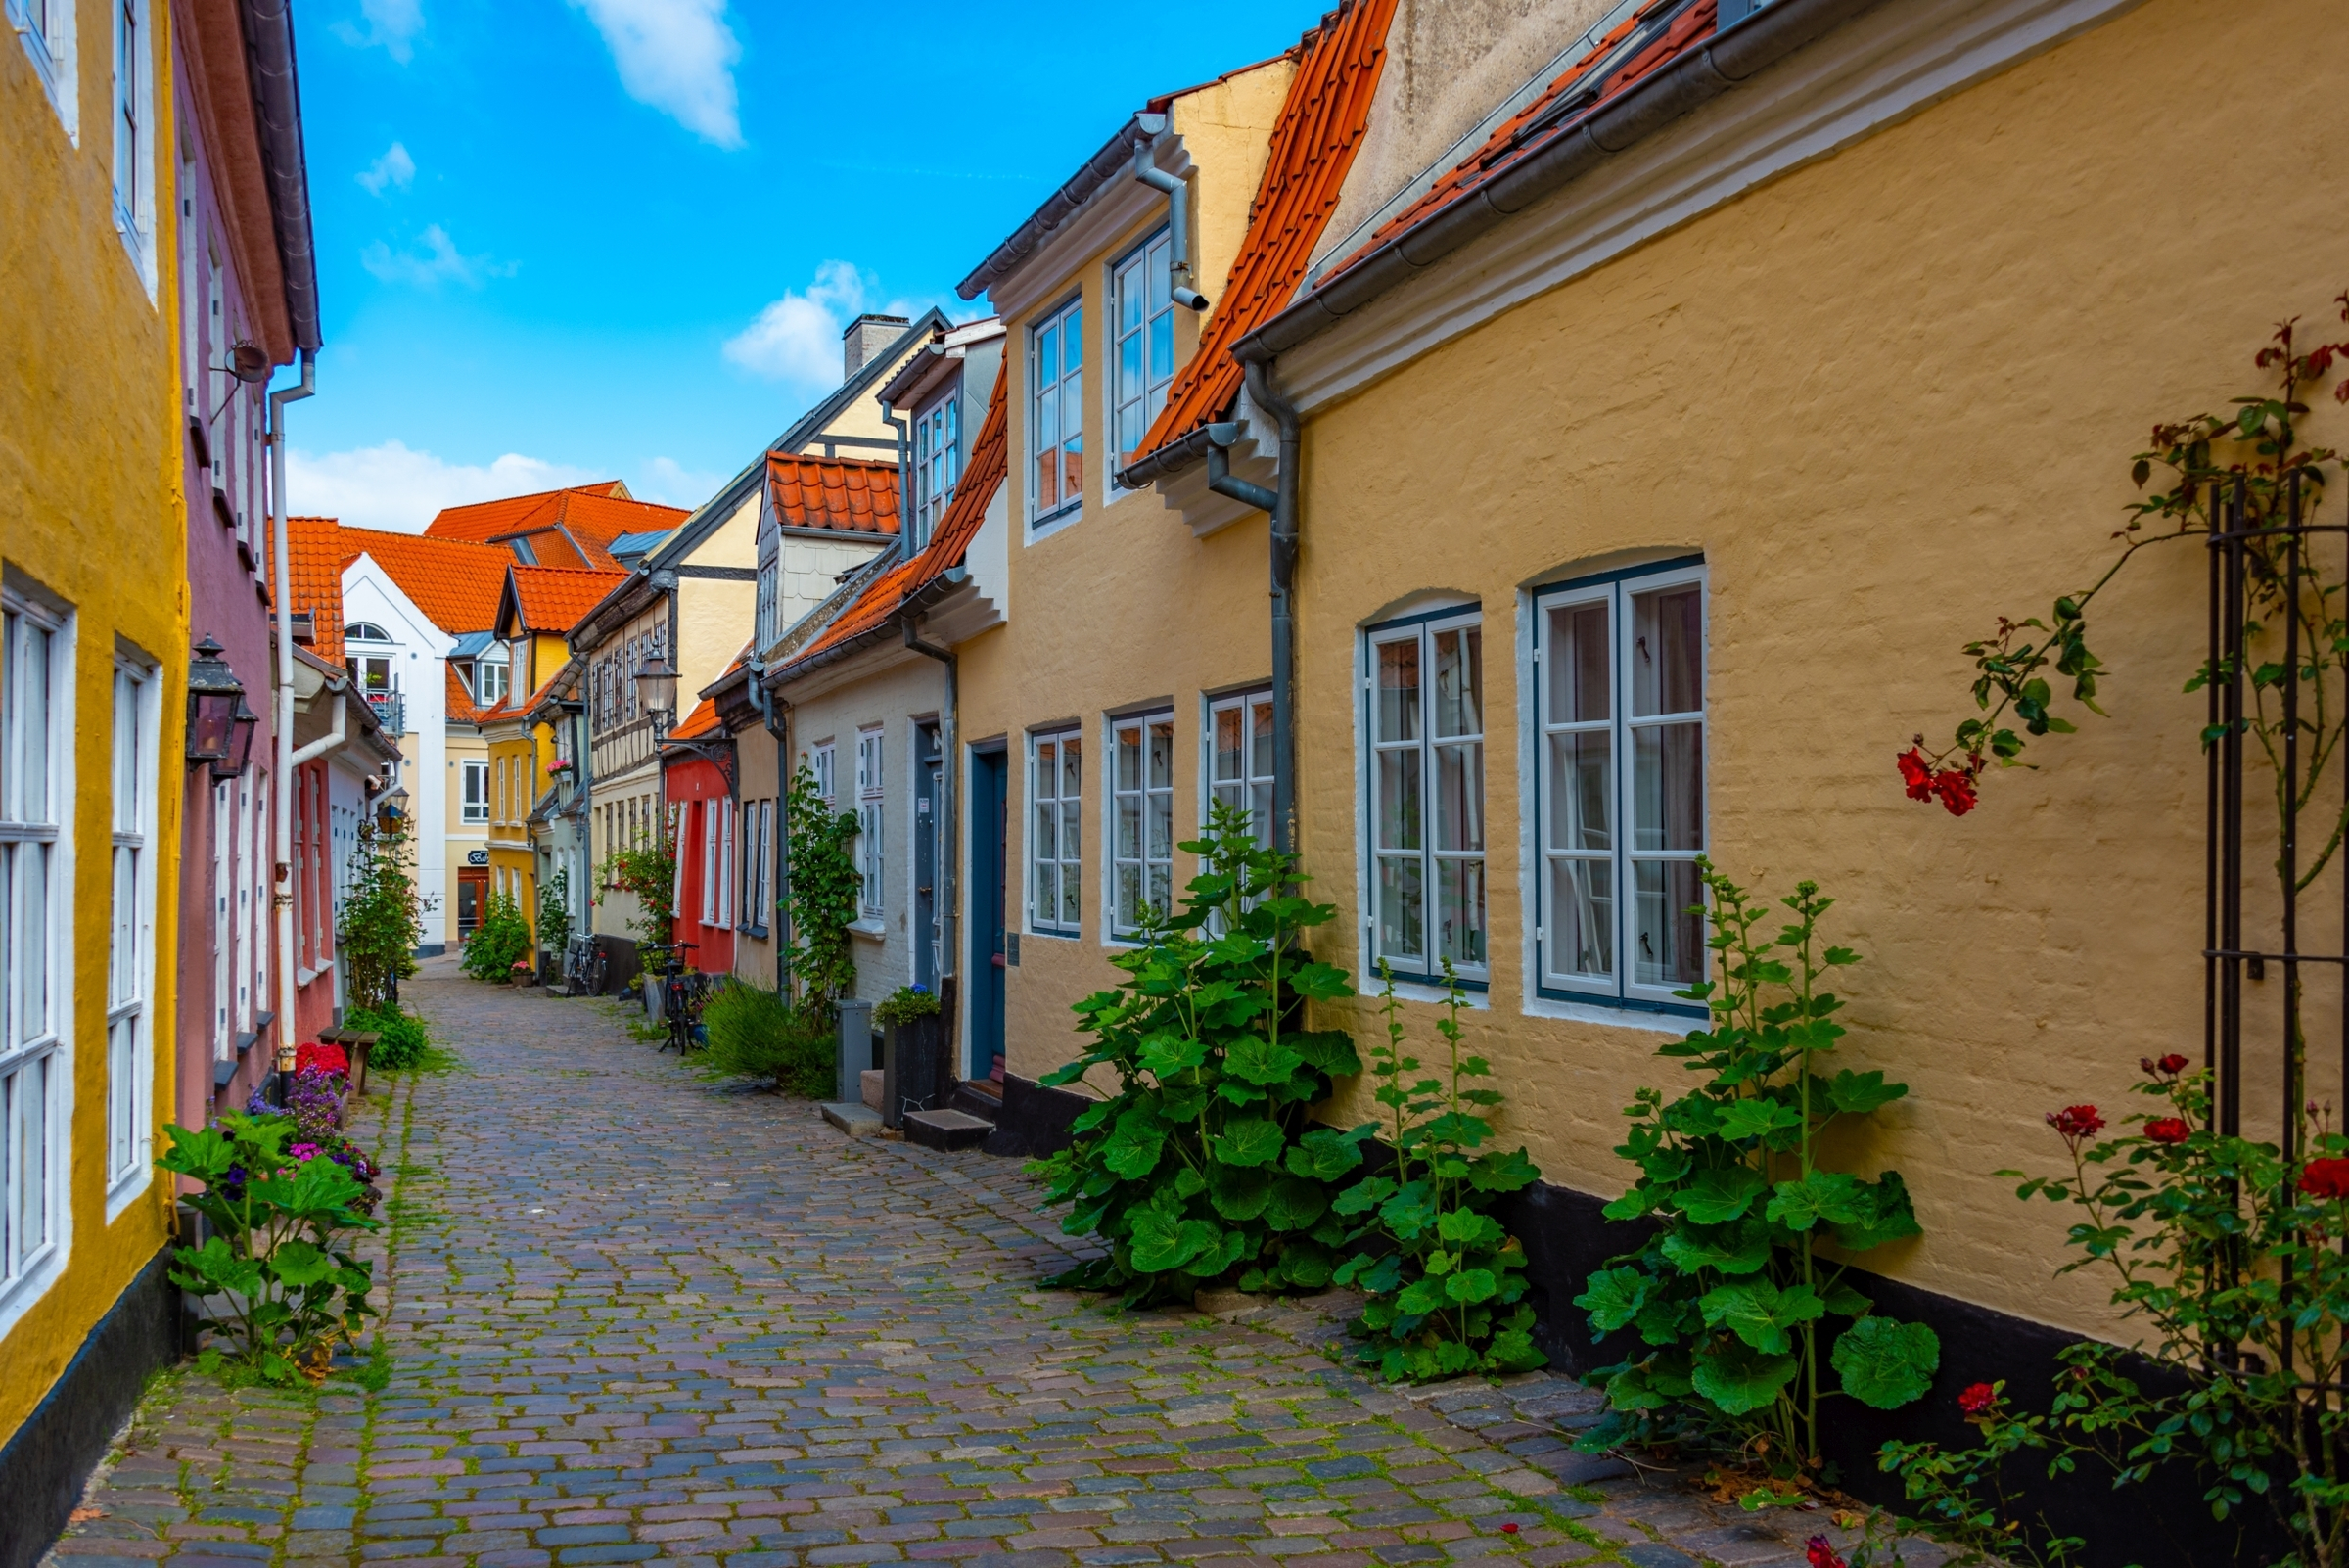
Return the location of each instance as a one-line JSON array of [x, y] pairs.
[[638, 1318]]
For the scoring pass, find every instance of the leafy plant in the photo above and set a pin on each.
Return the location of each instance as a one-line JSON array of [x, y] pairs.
[[402, 1043], [1446, 1280], [821, 894], [381, 918], [278, 1218], [554, 911], [757, 1033], [1731, 1296], [1205, 1165], [646, 869], [905, 1004], [1970, 1498], [501, 941]]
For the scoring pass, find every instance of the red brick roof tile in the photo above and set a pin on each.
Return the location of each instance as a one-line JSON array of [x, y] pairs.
[[845, 494], [555, 599], [566, 529], [455, 583], [981, 477], [1312, 146]]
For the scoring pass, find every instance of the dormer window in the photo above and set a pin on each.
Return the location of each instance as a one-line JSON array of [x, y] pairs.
[[489, 680], [1142, 306], [937, 461], [1056, 421]]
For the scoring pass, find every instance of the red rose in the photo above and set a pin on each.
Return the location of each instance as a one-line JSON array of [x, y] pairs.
[[2169, 1129], [2077, 1122], [1509, 1529], [1956, 790], [1978, 1400], [1919, 776], [2172, 1063], [1821, 1554], [2326, 1178], [333, 1059]]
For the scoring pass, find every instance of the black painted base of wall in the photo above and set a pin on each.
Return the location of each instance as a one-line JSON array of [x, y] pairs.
[[50, 1458], [2162, 1523]]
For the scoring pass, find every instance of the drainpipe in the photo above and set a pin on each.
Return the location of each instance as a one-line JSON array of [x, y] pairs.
[[905, 430], [1281, 504], [775, 713], [332, 738], [281, 795], [949, 924], [1178, 226]]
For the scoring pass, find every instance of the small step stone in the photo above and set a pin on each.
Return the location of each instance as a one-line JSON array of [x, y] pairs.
[[947, 1129], [857, 1121]]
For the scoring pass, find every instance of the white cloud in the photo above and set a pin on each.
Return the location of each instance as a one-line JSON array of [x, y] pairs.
[[795, 339], [673, 483], [678, 56], [391, 24], [396, 168], [439, 262], [396, 487]]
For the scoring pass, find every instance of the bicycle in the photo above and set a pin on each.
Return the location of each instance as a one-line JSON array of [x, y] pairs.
[[677, 1001]]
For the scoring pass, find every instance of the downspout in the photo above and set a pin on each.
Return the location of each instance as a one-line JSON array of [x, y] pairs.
[[1281, 505], [281, 589], [950, 924], [1178, 226], [775, 713], [333, 737]]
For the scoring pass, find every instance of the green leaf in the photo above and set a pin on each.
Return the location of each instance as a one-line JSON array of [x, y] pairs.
[[1326, 1154], [1739, 1379], [1886, 1215], [1165, 1056], [1133, 1151], [1066, 1073], [1249, 1140], [1466, 1227], [298, 1264], [1328, 1050], [1319, 981], [1759, 1313], [1238, 1192], [1471, 1285], [1157, 1244], [1740, 1249], [1421, 1297], [1260, 1062], [1884, 1363], [1296, 1203], [1758, 1118], [1829, 1195], [1613, 1297], [1503, 1172], [1860, 1093], [1718, 1196], [1189, 1182], [1845, 1302]]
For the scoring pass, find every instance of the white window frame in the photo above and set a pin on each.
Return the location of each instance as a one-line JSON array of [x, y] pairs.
[[132, 115], [708, 816], [36, 1070], [473, 805], [1613, 594], [1250, 787], [1141, 304], [871, 789], [821, 762], [936, 461], [757, 873], [258, 876], [769, 604], [1144, 801], [46, 29], [1423, 630], [1048, 791], [224, 921], [130, 968], [483, 680], [1063, 391], [725, 860]]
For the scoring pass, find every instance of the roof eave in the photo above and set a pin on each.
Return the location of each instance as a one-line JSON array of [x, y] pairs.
[[1182, 452], [1096, 171]]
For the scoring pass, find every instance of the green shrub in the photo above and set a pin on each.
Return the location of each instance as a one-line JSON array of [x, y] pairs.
[[382, 917], [757, 1033], [404, 1044], [498, 942], [905, 1004]]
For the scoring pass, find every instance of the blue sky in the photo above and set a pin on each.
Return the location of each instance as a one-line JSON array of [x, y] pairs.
[[561, 239]]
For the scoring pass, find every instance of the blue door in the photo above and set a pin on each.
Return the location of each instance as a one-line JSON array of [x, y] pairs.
[[991, 776]]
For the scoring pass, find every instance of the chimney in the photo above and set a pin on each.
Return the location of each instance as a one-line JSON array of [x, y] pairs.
[[867, 337]]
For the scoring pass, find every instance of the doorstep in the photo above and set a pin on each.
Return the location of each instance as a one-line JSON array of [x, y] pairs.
[[857, 1121], [947, 1129]]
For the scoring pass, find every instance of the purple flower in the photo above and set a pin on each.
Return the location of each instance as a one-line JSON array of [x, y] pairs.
[[304, 1152]]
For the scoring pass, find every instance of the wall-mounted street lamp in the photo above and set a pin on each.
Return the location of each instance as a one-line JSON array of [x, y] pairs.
[[216, 705], [657, 689]]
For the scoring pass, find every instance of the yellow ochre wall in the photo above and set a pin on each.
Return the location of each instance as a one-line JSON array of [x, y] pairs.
[[91, 511], [1889, 396]]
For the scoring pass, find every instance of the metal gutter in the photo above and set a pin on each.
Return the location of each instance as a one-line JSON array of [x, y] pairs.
[[920, 599], [277, 110], [1111, 163], [1732, 56]]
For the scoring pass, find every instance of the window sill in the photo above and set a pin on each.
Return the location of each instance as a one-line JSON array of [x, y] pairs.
[[1051, 523], [870, 926], [1418, 990], [1056, 936], [752, 931], [1599, 1012]]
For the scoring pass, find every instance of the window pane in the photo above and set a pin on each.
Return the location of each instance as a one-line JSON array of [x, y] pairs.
[[1460, 681], [1047, 831], [1400, 909], [1161, 754], [1130, 758], [1161, 259], [1047, 891], [1072, 462], [1460, 910], [1667, 639], [1669, 945], [1129, 367], [31, 954], [1261, 738], [1071, 751], [1577, 789], [1068, 895], [1577, 657], [1581, 917], [1162, 827], [1161, 355], [1259, 812], [1072, 831], [1129, 828], [1071, 340], [1161, 888], [1399, 800], [1668, 787], [1047, 448], [1399, 690], [1459, 796], [1228, 744], [1129, 912]]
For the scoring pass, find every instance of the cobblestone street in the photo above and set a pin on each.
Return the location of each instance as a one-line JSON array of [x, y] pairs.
[[632, 1316]]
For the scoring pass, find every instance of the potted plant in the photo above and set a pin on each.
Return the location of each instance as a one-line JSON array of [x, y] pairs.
[[913, 1052]]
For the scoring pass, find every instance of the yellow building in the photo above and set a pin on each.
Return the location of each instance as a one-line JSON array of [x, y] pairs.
[[95, 469]]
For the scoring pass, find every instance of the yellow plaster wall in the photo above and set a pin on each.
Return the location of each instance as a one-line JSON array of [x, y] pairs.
[[91, 510], [1227, 126], [1890, 397]]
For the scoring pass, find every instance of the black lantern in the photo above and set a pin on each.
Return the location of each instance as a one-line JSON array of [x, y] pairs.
[[239, 746], [657, 688], [214, 697]]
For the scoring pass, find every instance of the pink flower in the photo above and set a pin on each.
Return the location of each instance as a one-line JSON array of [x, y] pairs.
[[304, 1152], [1822, 1554]]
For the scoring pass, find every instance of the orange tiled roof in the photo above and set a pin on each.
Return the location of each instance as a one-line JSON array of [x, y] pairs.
[[981, 477], [700, 721], [555, 599], [455, 583], [1558, 111], [567, 528], [1312, 146], [846, 494], [461, 708]]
